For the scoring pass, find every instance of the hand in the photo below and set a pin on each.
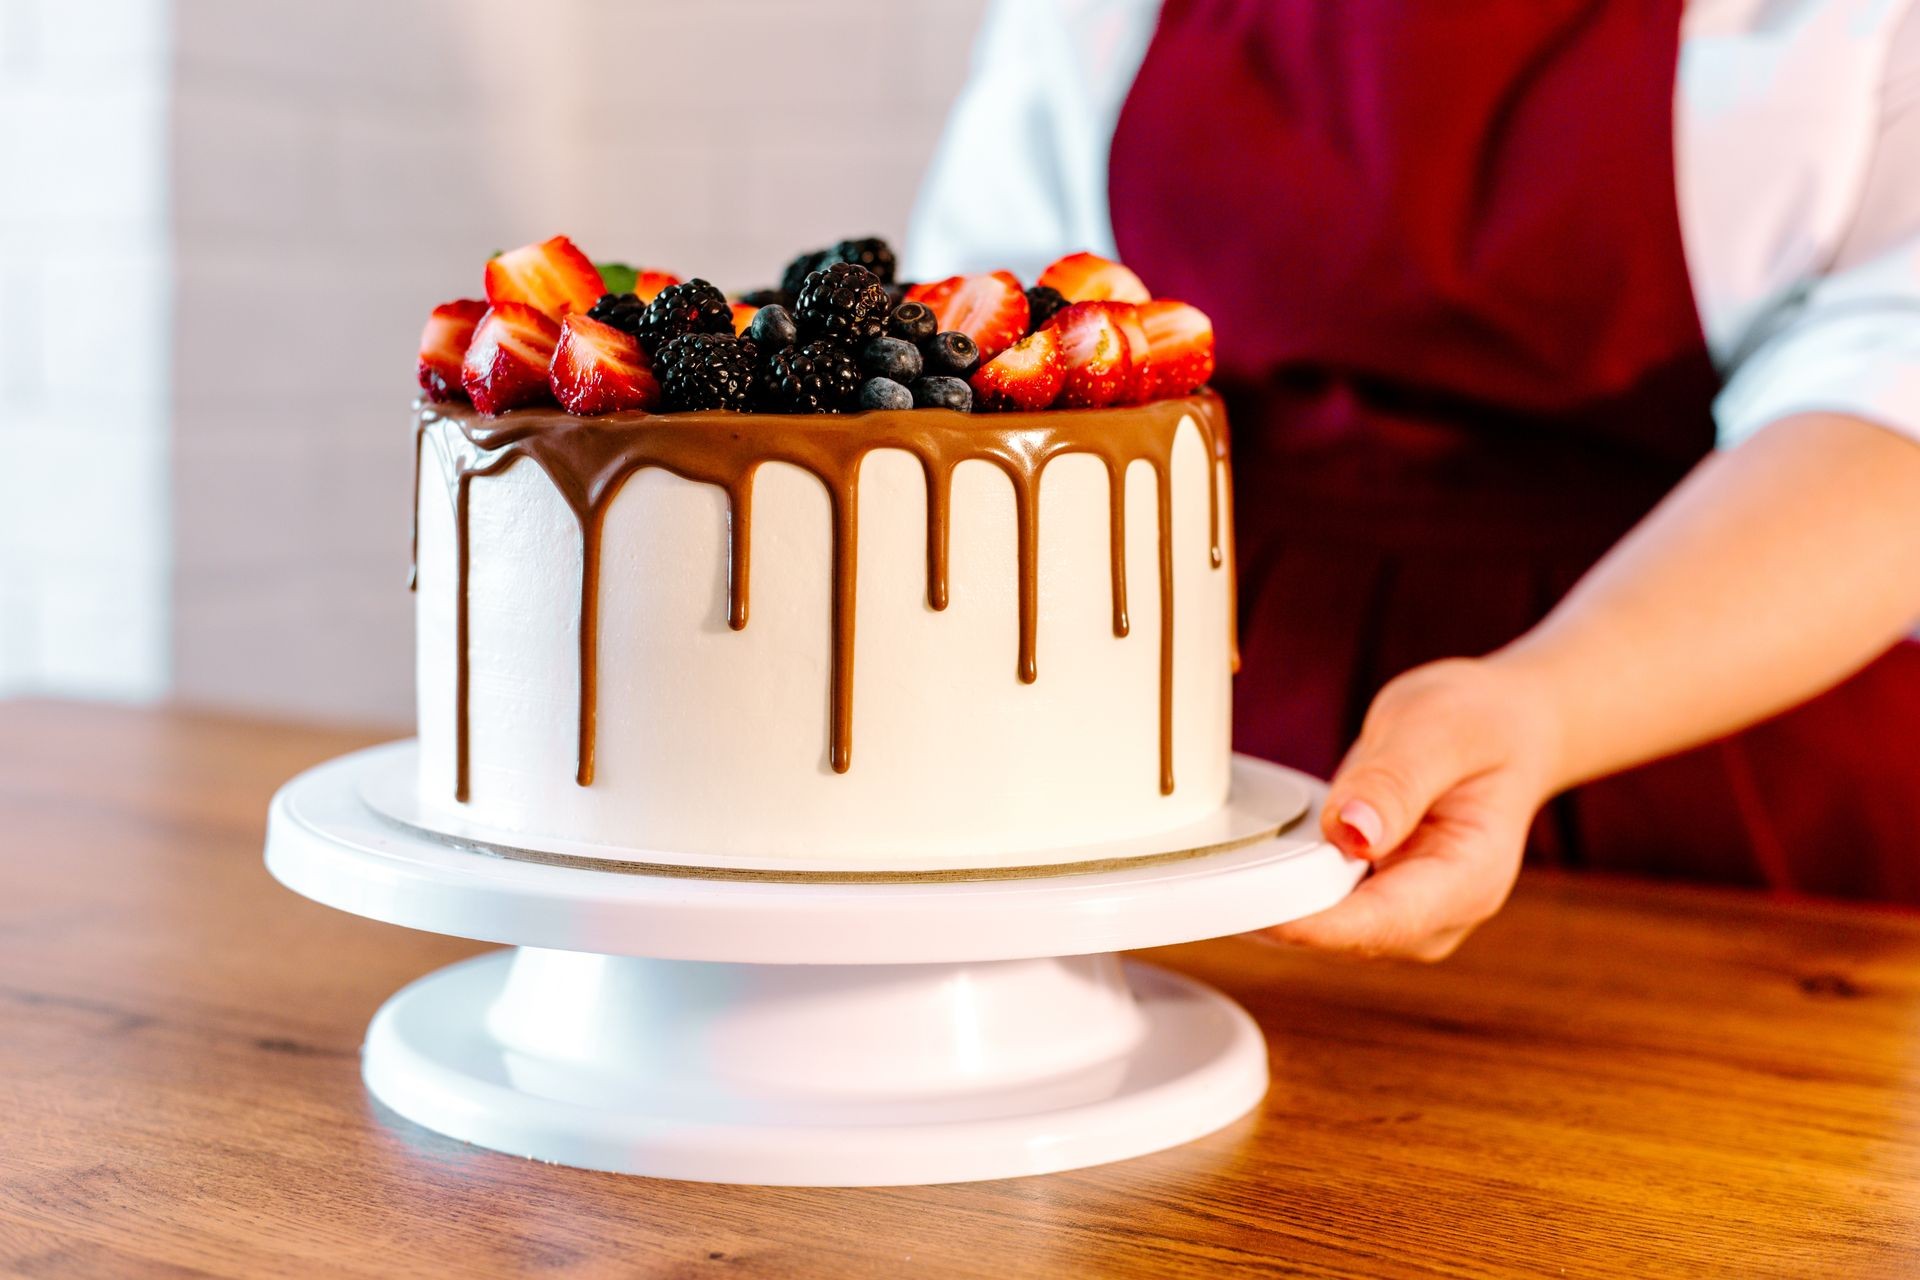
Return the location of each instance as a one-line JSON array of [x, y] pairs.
[[1454, 760]]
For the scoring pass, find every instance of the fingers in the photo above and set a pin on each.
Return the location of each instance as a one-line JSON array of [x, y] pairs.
[[1411, 910], [1405, 760]]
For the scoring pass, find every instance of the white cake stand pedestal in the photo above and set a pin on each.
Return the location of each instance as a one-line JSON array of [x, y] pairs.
[[796, 1033]]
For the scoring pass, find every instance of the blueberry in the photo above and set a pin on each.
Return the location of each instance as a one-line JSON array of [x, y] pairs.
[[952, 353], [913, 321], [773, 328], [884, 393], [891, 358], [943, 393]]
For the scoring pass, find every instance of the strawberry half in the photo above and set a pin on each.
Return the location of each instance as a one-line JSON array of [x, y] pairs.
[[443, 345], [1179, 349], [743, 314], [599, 369], [506, 363], [1027, 375], [553, 276], [647, 282], [1127, 316], [991, 308], [1099, 363], [1088, 277]]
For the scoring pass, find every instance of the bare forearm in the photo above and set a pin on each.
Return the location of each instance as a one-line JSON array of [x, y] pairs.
[[1775, 570]]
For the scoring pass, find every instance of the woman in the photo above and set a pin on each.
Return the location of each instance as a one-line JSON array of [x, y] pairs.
[[1512, 295]]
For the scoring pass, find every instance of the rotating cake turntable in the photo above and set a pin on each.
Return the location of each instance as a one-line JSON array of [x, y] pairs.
[[732, 1023]]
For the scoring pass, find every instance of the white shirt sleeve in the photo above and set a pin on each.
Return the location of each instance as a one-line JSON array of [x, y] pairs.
[[1846, 337], [1020, 177]]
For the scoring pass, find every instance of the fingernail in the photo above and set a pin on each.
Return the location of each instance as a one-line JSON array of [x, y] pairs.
[[1364, 821]]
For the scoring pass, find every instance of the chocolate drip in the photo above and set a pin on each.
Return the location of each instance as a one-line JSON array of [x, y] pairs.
[[590, 459]]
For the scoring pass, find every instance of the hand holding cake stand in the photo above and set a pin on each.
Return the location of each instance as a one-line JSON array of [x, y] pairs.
[[715, 1023]]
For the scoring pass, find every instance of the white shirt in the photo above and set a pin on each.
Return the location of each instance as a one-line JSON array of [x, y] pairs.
[[1797, 142]]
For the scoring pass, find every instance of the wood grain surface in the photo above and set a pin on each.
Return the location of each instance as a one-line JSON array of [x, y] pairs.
[[1611, 1079]]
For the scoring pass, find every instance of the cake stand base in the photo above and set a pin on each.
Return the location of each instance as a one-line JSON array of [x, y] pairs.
[[814, 1075], [797, 1031]]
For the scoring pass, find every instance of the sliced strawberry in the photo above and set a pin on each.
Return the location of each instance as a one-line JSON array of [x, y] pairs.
[[1027, 375], [990, 308], [443, 345], [1127, 316], [1099, 363], [552, 275], [1087, 277], [1179, 349], [647, 282], [506, 364], [599, 369], [743, 314]]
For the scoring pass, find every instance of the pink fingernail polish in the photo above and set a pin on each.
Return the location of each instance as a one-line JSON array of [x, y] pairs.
[[1364, 821]]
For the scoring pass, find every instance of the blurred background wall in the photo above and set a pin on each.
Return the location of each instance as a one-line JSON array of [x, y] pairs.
[[222, 223]]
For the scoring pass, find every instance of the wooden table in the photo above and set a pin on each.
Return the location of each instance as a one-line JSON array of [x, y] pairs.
[[1613, 1078]]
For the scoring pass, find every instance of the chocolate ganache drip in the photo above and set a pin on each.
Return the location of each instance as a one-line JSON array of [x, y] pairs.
[[589, 459]]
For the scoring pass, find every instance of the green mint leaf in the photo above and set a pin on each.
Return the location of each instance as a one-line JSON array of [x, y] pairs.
[[618, 277]]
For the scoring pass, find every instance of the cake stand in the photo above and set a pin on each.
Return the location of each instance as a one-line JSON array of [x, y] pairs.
[[801, 1033]]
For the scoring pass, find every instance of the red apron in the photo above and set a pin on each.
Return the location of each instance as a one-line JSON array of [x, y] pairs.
[[1440, 243]]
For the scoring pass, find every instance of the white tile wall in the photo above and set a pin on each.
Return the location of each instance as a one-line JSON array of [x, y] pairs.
[[338, 168], [84, 348]]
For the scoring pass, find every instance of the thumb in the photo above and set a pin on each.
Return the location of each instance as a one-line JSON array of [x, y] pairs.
[[1407, 757]]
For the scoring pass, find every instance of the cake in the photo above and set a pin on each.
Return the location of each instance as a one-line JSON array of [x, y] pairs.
[[845, 570]]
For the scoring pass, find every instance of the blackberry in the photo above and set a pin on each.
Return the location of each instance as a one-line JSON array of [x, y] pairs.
[[873, 253], [1043, 300], [817, 378], [692, 307], [942, 393], [621, 310], [766, 298], [842, 303], [884, 393], [795, 276], [913, 321], [708, 371]]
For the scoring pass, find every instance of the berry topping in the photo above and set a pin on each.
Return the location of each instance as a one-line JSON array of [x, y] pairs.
[[553, 276], [1042, 301], [743, 314], [506, 363], [773, 328], [642, 282], [443, 345], [692, 307], [873, 253], [942, 393], [990, 308], [890, 358], [707, 371], [1098, 360], [1086, 277], [913, 321], [766, 297], [1179, 349], [842, 303], [599, 369], [621, 310], [794, 278], [1028, 375], [951, 354], [1127, 316], [884, 393], [816, 378]]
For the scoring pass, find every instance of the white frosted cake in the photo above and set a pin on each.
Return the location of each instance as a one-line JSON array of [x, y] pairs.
[[872, 636]]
